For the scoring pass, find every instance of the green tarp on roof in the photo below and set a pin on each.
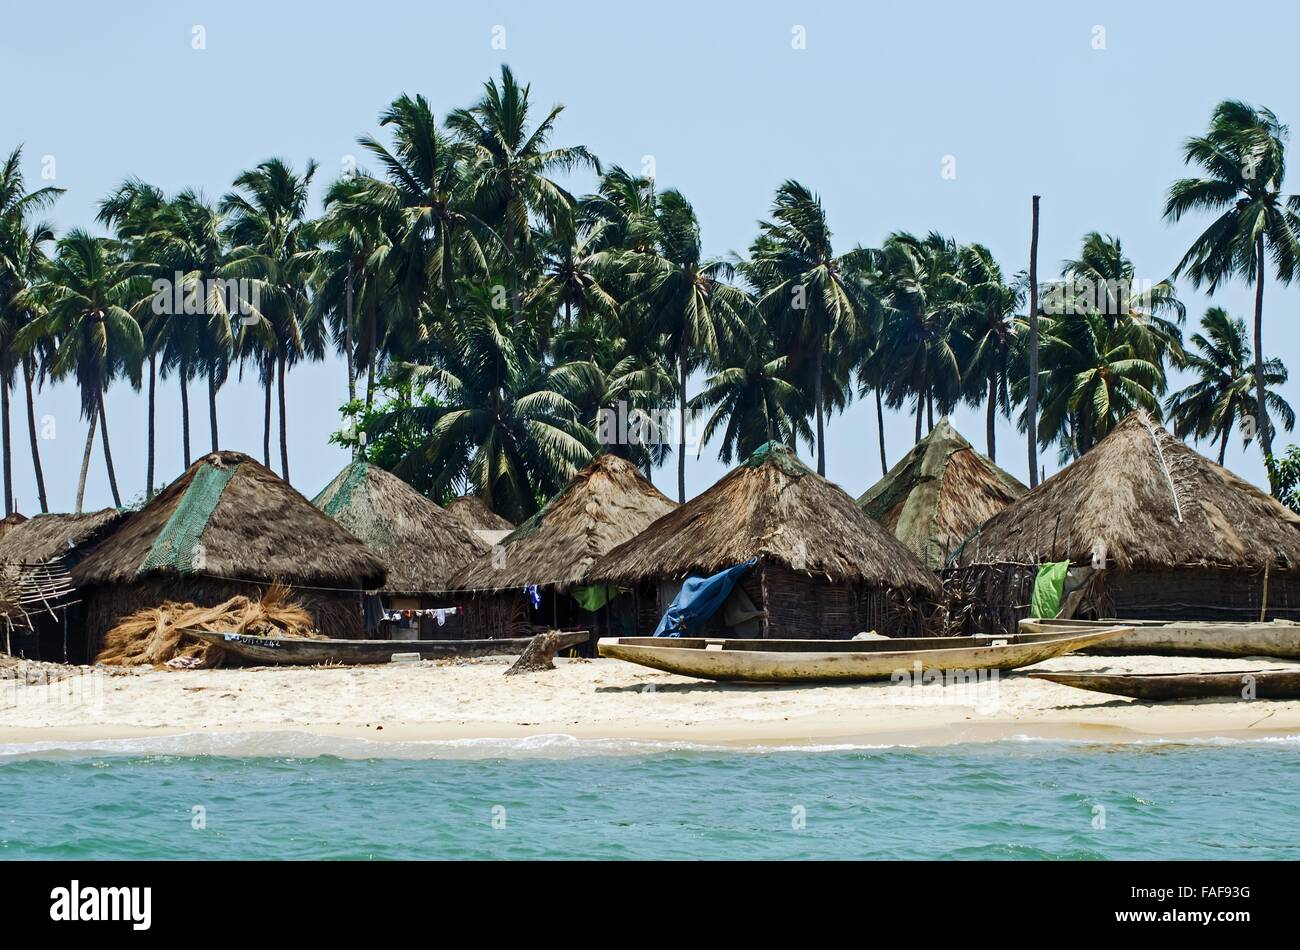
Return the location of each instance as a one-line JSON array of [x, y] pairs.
[[179, 543], [910, 500]]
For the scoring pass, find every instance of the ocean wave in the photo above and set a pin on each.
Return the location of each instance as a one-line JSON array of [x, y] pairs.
[[306, 745], [291, 744]]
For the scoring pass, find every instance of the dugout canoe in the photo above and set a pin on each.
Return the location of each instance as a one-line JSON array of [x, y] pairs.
[[1279, 638], [304, 652], [1156, 687], [832, 661]]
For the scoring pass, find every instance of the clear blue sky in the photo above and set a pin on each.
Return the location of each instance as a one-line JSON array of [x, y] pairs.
[[865, 115]]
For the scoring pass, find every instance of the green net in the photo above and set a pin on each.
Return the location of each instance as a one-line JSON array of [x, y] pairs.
[[779, 454], [179, 544], [343, 497]]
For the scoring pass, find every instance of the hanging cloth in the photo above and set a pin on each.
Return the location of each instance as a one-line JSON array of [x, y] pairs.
[[594, 596], [1046, 602]]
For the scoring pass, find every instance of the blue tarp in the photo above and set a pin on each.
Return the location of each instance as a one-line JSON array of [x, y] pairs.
[[698, 600]]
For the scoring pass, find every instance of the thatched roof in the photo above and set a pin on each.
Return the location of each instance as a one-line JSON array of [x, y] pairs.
[[11, 521], [230, 517], [42, 538], [1152, 501], [939, 494], [772, 506], [420, 544], [473, 512], [603, 505]]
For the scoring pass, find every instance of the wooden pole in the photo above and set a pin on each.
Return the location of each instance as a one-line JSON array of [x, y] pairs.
[[1263, 606], [1032, 408]]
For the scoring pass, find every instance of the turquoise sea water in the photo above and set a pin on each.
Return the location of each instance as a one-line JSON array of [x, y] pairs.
[[558, 798]]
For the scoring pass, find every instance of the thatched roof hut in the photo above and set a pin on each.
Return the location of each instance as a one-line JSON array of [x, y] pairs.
[[36, 559], [603, 505], [939, 494], [43, 538], [819, 555], [473, 512], [420, 543], [1172, 533], [227, 525]]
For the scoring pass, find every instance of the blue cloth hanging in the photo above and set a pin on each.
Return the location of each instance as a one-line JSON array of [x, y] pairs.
[[534, 595], [698, 600]]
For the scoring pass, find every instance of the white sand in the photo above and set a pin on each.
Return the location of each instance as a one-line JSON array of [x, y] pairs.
[[612, 699]]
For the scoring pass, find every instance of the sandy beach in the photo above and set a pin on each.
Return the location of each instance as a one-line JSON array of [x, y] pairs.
[[611, 699]]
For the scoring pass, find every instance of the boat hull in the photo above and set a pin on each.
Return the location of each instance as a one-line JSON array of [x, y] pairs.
[[840, 661], [1185, 638], [299, 651], [1155, 687]]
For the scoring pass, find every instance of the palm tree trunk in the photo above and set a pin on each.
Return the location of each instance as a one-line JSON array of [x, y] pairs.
[[185, 418], [36, 449], [1031, 409], [1262, 426], [266, 425], [284, 429], [212, 405], [920, 416], [880, 430], [1223, 446], [152, 428], [347, 341], [108, 454], [85, 457], [372, 330], [929, 412], [990, 436], [817, 397], [681, 436], [8, 454]]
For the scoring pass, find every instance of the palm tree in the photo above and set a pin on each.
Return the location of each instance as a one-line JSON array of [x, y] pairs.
[[1224, 392], [574, 273], [624, 208], [347, 265], [686, 300], [1243, 157], [501, 423], [130, 211], [436, 237], [805, 294], [87, 303], [509, 164], [25, 262], [925, 307], [1092, 375], [753, 400], [269, 232], [1103, 278], [188, 241], [994, 334], [22, 257]]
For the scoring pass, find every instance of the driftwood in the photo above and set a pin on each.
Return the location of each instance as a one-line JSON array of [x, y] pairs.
[[539, 655]]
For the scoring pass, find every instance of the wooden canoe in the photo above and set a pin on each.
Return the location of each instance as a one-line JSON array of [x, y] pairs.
[[304, 652], [1278, 638], [830, 661], [1154, 687]]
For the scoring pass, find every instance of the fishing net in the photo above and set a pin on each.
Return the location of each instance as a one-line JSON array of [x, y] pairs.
[[154, 636], [178, 543]]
